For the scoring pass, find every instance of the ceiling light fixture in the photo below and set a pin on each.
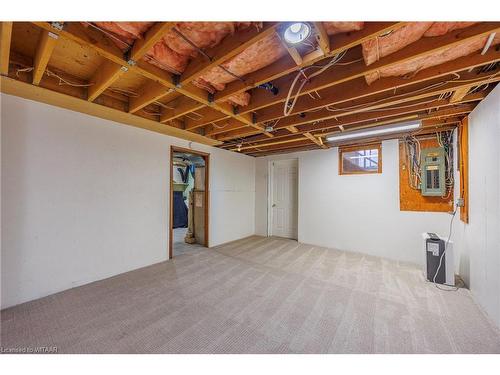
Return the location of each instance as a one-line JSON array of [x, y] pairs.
[[297, 32], [375, 131]]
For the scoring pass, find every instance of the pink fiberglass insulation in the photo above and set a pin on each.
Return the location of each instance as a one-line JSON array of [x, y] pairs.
[[376, 48], [173, 52], [441, 28], [419, 63], [333, 28], [258, 55], [127, 32]]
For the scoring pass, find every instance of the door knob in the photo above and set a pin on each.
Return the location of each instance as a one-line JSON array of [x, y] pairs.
[[274, 205]]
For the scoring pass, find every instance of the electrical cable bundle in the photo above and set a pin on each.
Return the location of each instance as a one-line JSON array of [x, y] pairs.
[[445, 140], [412, 151]]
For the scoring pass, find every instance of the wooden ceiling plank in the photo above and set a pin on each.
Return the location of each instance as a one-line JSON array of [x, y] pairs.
[[142, 46], [344, 73], [5, 39], [358, 88], [228, 48], [46, 45], [149, 93]]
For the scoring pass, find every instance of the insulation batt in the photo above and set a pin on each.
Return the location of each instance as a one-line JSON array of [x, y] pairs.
[[173, 52], [333, 28], [376, 48], [415, 65], [128, 32]]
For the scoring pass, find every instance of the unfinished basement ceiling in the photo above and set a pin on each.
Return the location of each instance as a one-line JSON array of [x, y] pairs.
[[241, 86]]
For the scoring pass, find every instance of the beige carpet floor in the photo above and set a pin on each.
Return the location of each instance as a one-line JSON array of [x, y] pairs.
[[257, 295]]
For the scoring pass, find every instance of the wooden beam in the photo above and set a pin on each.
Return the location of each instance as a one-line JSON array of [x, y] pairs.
[[5, 39], [104, 77], [287, 65], [228, 48], [382, 100], [149, 93], [318, 141], [152, 36], [374, 118], [25, 90], [338, 43], [344, 73], [292, 51], [182, 106], [358, 87], [46, 45], [322, 38], [459, 94]]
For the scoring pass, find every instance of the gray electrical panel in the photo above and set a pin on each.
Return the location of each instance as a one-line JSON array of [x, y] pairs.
[[432, 165]]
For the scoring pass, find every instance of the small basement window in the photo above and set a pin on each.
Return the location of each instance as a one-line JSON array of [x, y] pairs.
[[360, 159]]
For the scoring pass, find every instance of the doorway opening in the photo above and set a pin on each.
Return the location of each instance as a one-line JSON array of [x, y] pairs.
[[283, 199], [189, 176]]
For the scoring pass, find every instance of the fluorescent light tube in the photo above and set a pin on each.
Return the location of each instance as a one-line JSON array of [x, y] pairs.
[[375, 131]]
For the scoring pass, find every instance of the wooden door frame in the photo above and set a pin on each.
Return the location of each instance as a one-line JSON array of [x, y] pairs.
[[270, 173], [206, 157]]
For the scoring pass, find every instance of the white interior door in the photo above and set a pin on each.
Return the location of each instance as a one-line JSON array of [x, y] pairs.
[[284, 199]]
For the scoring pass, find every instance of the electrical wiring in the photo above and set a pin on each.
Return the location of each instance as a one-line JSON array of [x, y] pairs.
[[111, 35], [288, 107], [49, 73], [63, 81], [453, 289]]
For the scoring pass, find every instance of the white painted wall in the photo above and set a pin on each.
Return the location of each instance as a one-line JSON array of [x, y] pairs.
[[480, 239], [352, 212], [84, 198]]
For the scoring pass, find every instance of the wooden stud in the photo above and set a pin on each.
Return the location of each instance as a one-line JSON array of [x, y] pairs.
[[46, 45], [5, 39], [464, 168]]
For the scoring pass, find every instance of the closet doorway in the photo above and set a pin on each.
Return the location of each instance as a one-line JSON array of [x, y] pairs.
[[189, 197]]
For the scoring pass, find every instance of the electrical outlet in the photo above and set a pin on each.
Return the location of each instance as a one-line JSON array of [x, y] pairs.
[[460, 202]]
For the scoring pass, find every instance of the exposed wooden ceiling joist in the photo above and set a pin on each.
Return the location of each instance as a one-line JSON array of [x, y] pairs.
[[288, 65], [379, 101], [46, 44], [5, 39], [104, 47]]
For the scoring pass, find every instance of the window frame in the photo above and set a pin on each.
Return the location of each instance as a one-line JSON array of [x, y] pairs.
[[360, 147]]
